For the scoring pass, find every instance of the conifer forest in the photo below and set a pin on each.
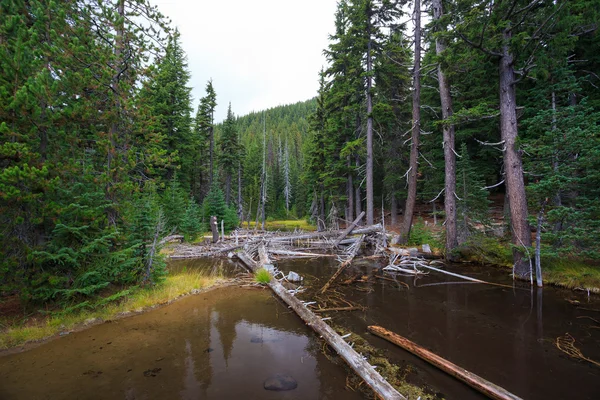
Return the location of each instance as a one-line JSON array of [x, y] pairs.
[[443, 105], [470, 127]]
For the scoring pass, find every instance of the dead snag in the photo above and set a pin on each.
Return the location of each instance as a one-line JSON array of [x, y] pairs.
[[344, 264], [348, 230]]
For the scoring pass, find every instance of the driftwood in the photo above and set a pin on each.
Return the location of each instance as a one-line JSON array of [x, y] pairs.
[[320, 310], [318, 235], [348, 230], [464, 277], [354, 360], [343, 265], [171, 238], [298, 253], [476, 382]]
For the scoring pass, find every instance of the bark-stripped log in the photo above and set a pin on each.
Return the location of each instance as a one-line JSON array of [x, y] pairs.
[[317, 235], [343, 265], [476, 382], [354, 360], [348, 230]]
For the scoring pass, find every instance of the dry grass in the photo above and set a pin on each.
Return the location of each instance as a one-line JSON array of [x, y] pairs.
[[16, 334], [289, 225]]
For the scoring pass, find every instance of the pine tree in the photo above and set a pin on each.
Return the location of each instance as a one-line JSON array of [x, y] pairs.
[[230, 152]]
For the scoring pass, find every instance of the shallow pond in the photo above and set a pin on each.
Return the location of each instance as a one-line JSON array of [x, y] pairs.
[[222, 344], [505, 335]]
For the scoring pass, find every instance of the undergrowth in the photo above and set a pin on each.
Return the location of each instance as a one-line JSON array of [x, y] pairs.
[[15, 332], [422, 234], [262, 276], [571, 274]]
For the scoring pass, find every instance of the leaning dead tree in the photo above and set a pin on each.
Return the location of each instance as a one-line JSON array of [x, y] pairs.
[[362, 368]]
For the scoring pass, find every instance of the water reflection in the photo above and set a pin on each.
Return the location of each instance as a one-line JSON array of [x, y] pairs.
[[506, 335], [219, 345]]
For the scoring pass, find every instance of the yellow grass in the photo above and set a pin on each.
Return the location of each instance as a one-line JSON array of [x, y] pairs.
[[139, 300], [289, 225]]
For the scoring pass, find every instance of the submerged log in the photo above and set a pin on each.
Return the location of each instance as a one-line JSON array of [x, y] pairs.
[[348, 230], [468, 278], [354, 360], [320, 310], [476, 382], [343, 265]]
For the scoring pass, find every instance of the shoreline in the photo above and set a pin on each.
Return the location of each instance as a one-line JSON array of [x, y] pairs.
[[8, 346]]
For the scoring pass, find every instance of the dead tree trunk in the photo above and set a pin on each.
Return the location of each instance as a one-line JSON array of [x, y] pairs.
[[416, 131], [348, 230], [369, 171], [214, 228], [362, 368], [513, 165], [350, 190], [476, 382], [448, 140]]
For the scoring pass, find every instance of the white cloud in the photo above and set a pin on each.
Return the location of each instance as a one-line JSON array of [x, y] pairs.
[[259, 53]]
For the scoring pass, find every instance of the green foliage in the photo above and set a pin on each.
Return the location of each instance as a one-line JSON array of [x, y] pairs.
[[472, 202], [192, 225], [214, 204], [174, 205], [262, 276], [422, 234]]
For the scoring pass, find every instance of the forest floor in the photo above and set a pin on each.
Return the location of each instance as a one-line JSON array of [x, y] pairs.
[[19, 326]]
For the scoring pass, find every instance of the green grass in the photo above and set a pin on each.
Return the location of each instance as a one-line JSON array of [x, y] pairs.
[[571, 274], [486, 250], [15, 333], [262, 276]]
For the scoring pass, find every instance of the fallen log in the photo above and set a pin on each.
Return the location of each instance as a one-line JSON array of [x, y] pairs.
[[171, 238], [476, 382], [320, 310], [354, 360], [468, 278], [315, 235], [343, 265], [348, 230], [290, 253]]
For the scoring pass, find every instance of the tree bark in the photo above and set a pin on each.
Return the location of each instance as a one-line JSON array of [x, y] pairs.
[[513, 165], [416, 131], [239, 199], [394, 210], [448, 140], [214, 229], [369, 172], [350, 191]]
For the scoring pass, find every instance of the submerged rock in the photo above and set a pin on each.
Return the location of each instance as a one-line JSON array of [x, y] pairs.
[[280, 383]]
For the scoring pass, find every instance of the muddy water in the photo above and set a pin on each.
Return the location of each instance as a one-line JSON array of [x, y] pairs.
[[504, 335], [222, 344]]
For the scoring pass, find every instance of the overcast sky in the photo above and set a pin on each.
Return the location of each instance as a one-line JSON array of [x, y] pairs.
[[259, 53]]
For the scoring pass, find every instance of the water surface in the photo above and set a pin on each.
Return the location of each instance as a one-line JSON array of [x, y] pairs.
[[504, 335], [222, 344]]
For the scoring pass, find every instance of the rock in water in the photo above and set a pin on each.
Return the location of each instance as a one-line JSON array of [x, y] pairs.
[[280, 383], [294, 277]]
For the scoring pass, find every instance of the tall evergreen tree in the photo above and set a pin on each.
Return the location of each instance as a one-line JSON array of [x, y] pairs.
[[230, 152]]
